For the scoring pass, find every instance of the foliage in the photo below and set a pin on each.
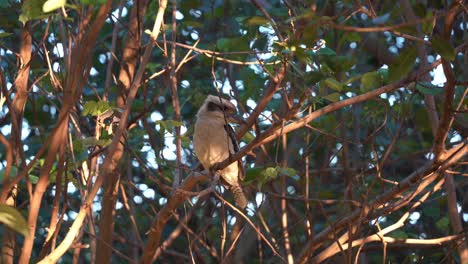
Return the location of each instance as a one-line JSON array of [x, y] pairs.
[[347, 139], [10, 217]]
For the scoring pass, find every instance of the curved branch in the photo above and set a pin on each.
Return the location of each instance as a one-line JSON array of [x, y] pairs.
[[165, 214], [108, 163], [277, 130], [445, 119], [454, 155]]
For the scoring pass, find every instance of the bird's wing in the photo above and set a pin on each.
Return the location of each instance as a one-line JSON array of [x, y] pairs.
[[232, 136], [241, 170], [235, 145]]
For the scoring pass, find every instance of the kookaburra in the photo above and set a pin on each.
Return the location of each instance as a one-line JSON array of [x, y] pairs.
[[214, 140]]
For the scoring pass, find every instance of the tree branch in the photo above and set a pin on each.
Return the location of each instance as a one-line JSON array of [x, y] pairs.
[[108, 163], [362, 214]]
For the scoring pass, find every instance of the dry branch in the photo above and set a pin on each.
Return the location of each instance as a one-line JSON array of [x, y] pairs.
[[379, 203]]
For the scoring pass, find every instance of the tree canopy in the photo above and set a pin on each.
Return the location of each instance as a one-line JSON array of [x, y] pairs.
[[354, 142]]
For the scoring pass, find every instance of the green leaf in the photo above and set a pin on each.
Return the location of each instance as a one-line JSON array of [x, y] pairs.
[[103, 142], [428, 26], [432, 211], [257, 21], [263, 175], [384, 75], [93, 2], [31, 9], [52, 5], [92, 141], [223, 43], [326, 52], [443, 47], [403, 65], [5, 4], [297, 68], [102, 107], [138, 106], [324, 194], [168, 125], [185, 141], [78, 145], [194, 24], [13, 219], [252, 174], [420, 9], [429, 88], [443, 223], [333, 97], [33, 178], [233, 44], [269, 172], [314, 76], [399, 234], [89, 108], [408, 29], [13, 173], [248, 137], [352, 79], [342, 63], [81, 145], [5, 34], [351, 37], [326, 70], [333, 84], [290, 172], [94, 108], [370, 81]]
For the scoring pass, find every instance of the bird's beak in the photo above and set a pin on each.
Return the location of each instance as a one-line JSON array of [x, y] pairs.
[[235, 119]]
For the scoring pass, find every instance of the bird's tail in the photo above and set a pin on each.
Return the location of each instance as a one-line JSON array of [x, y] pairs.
[[239, 196]]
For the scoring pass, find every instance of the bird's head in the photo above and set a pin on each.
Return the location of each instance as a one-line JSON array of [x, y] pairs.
[[216, 107]]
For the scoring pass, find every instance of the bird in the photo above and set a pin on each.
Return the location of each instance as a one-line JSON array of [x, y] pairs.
[[214, 141]]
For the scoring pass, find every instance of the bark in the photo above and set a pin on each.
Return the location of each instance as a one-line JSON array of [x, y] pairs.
[[112, 179], [17, 111], [165, 214], [72, 90], [429, 172], [108, 164], [58, 138], [21, 96], [175, 96]]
